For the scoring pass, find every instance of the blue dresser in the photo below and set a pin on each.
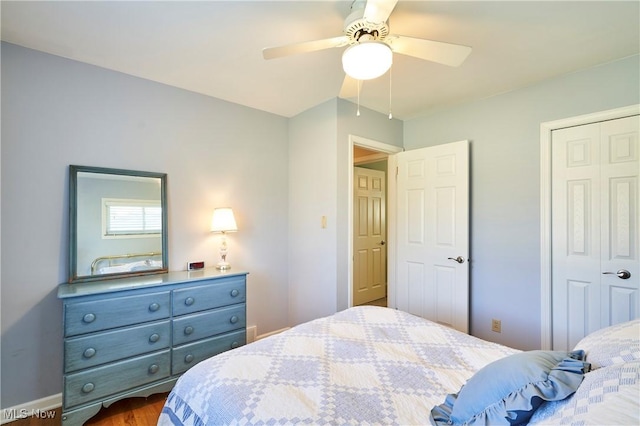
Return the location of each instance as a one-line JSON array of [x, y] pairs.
[[134, 336]]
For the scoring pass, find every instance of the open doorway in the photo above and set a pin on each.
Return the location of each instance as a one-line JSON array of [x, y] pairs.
[[370, 157], [369, 228]]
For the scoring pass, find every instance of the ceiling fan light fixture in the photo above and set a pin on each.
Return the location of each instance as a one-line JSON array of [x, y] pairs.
[[367, 60]]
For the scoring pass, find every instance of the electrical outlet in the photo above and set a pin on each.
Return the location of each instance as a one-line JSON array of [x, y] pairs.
[[496, 325]]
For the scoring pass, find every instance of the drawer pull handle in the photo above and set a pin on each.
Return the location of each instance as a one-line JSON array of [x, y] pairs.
[[189, 301], [234, 292], [235, 345], [188, 330], [154, 307], [154, 337], [153, 368], [233, 319], [88, 387], [89, 352], [188, 359], [89, 318]]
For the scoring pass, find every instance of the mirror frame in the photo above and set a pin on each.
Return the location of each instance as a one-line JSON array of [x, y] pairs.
[[73, 223]]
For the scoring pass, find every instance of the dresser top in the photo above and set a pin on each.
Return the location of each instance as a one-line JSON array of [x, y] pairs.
[[145, 281]]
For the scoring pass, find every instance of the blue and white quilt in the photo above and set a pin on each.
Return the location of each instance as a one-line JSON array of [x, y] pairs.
[[364, 365]]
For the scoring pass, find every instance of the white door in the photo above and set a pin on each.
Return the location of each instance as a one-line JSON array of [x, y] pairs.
[[432, 219], [370, 253], [595, 228]]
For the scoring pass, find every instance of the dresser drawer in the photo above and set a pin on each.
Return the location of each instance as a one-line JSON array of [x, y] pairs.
[[100, 348], [186, 356], [99, 382], [205, 324], [211, 294], [96, 315]]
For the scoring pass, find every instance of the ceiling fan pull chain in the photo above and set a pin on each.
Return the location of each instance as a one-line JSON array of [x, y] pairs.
[[358, 111], [390, 114]]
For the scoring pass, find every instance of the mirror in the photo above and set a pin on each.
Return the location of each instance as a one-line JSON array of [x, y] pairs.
[[117, 223]]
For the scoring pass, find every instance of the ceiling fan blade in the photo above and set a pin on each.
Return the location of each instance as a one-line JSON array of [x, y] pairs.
[[349, 87], [429, 50], [378, 11], [307, 46]]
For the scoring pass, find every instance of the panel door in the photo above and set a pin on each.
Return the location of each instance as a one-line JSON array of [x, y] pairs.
[[594, 228], [433, 233], [370, 254], [620, 219]]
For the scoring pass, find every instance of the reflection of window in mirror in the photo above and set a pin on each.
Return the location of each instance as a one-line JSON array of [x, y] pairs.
[[126, 218]]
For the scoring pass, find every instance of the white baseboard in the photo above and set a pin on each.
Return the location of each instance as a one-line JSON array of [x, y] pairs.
[[252, 333], [41, 408], [262, 336]]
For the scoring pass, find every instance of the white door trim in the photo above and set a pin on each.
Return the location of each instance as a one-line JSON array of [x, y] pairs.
[[545, 205], [388, 149]]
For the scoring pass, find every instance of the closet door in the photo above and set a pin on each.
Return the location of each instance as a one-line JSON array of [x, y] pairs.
[[594, 228], [620, 237]]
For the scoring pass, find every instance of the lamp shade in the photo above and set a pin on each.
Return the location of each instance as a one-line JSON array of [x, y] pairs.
[[223, 220], [367, 60]]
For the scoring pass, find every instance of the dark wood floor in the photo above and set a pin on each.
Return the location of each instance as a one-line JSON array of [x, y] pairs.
[[127, 412]]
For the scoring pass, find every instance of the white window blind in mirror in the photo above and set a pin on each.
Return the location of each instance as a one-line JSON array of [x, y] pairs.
[[131, 218]]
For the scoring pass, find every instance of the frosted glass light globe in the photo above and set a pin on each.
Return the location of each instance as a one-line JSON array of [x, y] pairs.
[[367, 60]]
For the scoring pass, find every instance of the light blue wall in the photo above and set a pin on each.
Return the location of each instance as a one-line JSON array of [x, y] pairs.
[[505, 185], [312, 183], [57, 112], [319, 186]]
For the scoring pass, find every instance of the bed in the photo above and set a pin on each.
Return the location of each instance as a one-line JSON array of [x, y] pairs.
[[374, 365], [132, 262]]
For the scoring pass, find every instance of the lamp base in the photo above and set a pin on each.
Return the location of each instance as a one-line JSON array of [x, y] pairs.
[[223, 266]]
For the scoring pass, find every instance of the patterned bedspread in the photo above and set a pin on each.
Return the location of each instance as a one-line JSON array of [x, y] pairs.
[[362, 365]]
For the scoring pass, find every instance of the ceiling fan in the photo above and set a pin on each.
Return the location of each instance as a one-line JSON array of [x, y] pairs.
[[371, 46]]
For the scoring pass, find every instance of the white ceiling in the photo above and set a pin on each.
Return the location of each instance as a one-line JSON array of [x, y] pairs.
[[215, 47]]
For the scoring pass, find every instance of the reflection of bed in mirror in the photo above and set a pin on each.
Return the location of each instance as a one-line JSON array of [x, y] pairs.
[[126, 263]]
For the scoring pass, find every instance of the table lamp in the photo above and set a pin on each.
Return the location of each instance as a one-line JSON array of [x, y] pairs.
[[223, 222]]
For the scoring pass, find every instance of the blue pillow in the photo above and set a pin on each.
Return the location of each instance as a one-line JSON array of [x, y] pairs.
[[508, 391]]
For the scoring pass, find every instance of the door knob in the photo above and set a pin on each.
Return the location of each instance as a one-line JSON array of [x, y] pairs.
[[623, 274], [382, 243], [458, 259]]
